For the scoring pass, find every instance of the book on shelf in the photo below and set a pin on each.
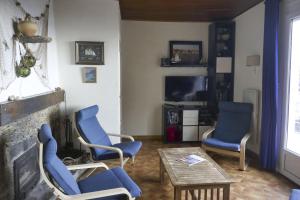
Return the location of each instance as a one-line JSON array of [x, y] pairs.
[[191, 159]]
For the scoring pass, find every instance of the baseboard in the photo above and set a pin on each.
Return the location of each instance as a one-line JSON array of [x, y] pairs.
[[148, 137]]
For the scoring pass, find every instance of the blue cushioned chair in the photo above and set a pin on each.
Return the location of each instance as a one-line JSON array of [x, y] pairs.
[[295, 195], [92, 135], [111, 184], [230, 135]]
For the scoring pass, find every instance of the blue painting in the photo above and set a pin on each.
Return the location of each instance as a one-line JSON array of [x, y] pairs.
[[89, 74]]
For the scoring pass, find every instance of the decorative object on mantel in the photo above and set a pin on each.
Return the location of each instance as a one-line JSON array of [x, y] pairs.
[[13, 98], [89, 53]]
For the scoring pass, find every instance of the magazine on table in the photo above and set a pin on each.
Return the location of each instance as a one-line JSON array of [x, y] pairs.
[[191, 159]]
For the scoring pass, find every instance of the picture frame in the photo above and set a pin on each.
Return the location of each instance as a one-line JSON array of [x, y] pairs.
[[185, 53], [89, 74], [89, 53]]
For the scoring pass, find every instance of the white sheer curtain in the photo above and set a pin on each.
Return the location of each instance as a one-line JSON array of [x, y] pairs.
[[290, 160]]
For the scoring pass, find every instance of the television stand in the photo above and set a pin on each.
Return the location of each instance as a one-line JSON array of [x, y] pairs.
[[185, 123]]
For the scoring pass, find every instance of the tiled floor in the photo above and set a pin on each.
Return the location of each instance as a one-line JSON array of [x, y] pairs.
[[252, 184]]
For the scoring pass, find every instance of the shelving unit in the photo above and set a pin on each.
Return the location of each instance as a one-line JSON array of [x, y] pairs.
[[190, 123], [221, 62], [185, 123]]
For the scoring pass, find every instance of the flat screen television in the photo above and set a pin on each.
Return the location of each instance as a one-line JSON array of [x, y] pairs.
[[185, 88]]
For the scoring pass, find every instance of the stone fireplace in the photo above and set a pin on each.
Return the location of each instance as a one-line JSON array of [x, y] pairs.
[[26, 173], [19, 170]]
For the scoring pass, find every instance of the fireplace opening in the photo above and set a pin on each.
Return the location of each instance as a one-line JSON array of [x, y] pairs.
[[26, 173]]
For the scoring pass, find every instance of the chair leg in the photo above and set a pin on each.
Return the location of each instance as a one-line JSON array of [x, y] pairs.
[[122, 162], [243, 165], [133, 159]]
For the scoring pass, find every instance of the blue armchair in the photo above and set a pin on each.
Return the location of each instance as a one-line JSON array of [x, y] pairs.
[[230, 135], [295, 195], [92, 135], [111, 184]]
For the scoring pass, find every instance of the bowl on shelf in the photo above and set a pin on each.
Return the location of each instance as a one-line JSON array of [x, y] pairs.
[[28, 27]]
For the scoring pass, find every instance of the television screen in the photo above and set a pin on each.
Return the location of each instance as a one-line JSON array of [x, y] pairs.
[[185, 88]]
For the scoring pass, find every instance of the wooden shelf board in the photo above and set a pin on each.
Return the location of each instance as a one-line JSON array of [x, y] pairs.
[[183, 65], [34, 39], [11, 111]]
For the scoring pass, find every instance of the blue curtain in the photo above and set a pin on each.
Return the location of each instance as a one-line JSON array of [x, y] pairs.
[[270, 135]]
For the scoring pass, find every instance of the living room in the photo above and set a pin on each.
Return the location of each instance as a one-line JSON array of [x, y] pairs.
[[149, 99]]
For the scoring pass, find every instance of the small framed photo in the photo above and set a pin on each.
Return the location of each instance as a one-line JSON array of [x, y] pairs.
[[89, 74], [89, 53], [186, 52]]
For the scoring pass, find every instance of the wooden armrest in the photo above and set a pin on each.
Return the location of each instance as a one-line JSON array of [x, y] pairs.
[[100, 146], [207, 133], [87, 166], [99, 194], [115, 149], [122, 136]]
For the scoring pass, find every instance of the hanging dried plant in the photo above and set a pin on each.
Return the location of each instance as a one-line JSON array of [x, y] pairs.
[[22, 71], [28, 60]]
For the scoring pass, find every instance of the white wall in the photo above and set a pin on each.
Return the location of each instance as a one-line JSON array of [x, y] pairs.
[[23, 87], [249, 41], [143, 44], [90, 20]]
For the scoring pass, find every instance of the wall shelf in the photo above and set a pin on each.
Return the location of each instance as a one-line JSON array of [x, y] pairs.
[[34, 39], [221, 51], [184, 65]]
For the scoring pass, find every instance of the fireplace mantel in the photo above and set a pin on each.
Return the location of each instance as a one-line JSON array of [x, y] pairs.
[[11, 111]]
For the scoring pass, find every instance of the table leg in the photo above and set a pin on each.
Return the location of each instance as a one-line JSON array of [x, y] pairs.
[[226, 192], [162, 175], [177, 193], [193, 194]]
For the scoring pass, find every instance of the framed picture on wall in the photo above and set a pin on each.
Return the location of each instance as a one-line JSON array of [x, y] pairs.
[[185, 52], [89, 53], [89, 75]]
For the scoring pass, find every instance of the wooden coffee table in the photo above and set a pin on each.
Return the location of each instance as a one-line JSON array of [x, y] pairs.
[[205, 180]]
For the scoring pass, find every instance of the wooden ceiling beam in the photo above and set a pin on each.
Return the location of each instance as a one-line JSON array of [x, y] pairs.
[[184, 10]]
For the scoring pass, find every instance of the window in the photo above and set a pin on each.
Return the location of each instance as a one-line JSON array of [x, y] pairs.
[[293, 135]]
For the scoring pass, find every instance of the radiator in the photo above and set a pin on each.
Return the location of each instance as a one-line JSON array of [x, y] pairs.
[[252, 96]]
